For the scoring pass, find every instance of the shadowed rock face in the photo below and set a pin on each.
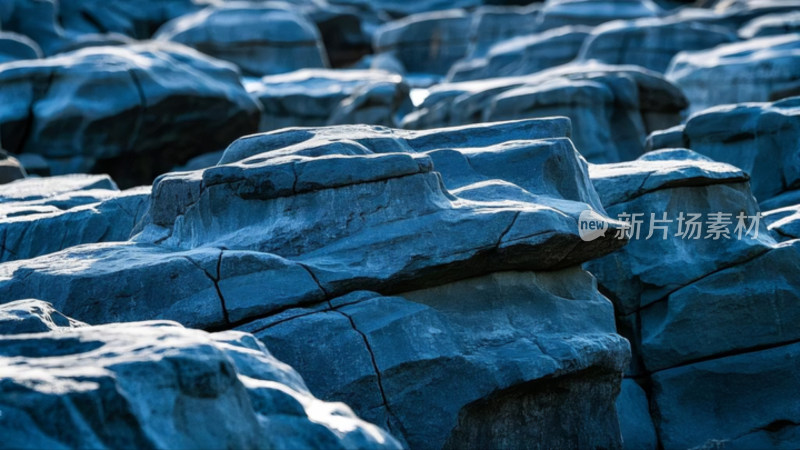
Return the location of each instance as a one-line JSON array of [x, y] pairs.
[[133, 112], [156, 385], [427, 271], [261, 40]]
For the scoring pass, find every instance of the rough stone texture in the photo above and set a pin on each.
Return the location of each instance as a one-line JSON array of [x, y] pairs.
[[316, 97], [60, 108], [646, 270], [635, 423], [458, 349], [62, 218], [741, 401], [261, 39], [757, 70], [762, 139], [557, 13], [33, 316], [523, 55], [651, 43], [473, 269], [427, 42], [157, 385], [612, 107]]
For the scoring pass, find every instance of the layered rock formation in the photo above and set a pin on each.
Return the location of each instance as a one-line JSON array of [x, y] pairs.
[[393, 269], [156, 385]]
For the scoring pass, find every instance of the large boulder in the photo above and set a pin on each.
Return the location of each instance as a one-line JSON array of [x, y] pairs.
[[157, 385], [261, 39], [523, 55], [757, 70], [471, 271], [316, 97], [763, 139], [651, 43], [612, 108], [427, 42], [133, 112]]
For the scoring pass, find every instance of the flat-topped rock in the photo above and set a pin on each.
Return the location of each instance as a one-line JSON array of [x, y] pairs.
[[260, 39], [523, 54], [759, 138], [651, 43], [317, 97], [557, 13], [59, 108], [192, 389], [756, 70], [611, 107]]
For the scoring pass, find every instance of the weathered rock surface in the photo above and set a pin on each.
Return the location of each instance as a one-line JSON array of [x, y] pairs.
[[472, 268], [523, 55], [169, 103], [157, 385], [317, 97], [557, 13], [761, 139], [40, 216], [651, 43], [427, 42], [611, 107], [757, 70], [261, 39]]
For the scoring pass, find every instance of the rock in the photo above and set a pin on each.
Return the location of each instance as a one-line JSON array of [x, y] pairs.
[[10, 168], [316, 97], [651, 43], [200, 162], [745, 400], [35, 228], [191, 389], [633, 411], [427, 42], [58, 108], [400, 351], [492, 24], [137, 19], [671, 183], [35, 19], [761, 139], [523, 55], [401, 8], [477, 310], [34, 164], [676, 331], [557, 13], [611, 107], [757, 70], [42, 189], [784, 221], [14, 47], [261, 39], [771, 25], [33, 316]]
